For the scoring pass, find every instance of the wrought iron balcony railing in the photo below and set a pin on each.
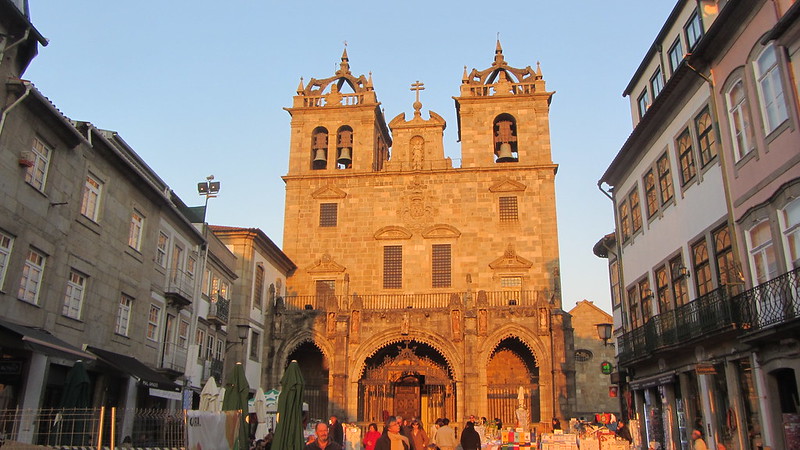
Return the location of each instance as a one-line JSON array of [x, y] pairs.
[[174, 357], [212, 368], [770, 304], [179, 288], [219, 310]]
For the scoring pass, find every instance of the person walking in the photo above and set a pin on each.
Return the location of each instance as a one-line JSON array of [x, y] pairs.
[[445, 437], [470, 439], [419, 439]]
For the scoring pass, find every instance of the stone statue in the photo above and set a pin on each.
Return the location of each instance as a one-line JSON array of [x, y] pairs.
[[523, 418]]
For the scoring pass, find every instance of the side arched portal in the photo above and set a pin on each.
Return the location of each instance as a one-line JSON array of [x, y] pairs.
[[511, 366], [315, 367], [411, 379]]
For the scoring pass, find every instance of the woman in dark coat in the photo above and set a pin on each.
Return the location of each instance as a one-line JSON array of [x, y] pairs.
[[470, 439]]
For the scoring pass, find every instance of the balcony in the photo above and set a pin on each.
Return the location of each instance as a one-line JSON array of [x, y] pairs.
[[219, 310], [179, 289], [174, 358], [770, 305], [440, 300], [706, 316], [213, 368]]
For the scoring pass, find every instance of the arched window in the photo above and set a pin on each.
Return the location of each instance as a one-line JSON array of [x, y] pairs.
[[505, 139], [319, 148], [344, 148]]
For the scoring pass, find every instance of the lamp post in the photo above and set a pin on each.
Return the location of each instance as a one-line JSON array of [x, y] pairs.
[[242, 332], [209, 189], [604, 332]]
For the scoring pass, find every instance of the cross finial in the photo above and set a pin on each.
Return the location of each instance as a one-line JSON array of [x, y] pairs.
[[417, 87]]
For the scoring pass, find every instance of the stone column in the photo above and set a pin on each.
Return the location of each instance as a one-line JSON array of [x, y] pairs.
[[31, 397]]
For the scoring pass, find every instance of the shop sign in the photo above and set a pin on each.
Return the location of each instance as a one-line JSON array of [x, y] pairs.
[[705, 369], [10, 370]]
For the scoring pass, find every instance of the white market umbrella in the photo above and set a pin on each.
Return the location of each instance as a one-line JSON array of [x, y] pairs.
[[260, 405], [209, 396]]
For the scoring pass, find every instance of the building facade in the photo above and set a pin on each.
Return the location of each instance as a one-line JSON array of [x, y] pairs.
[[703, 261], [419, 284]]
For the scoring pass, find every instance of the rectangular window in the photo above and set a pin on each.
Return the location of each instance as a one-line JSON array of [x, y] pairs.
[[728, 274], [625, 220], [73, 300], [205, 286], [763, 261], [39, 156], [31, 277], [509, 211], [6, 242], [662, 290], [613, 268], [657, 82], [694, 30], [209, 353], [633, 307], [199, 338], [739, 117], [153, 319], [183, 334], [190, 265], [224, 289], [636, 211], [90, 204], [702, 268], [679, 289], [704, 127], [258, 287], [790, 223], [161, 249], [675, 55], [325, 290], [177, 259], [770, 89], [644, 102], [646, 297], [135, 232], [514, 283], [664, 179], [686, 157], [218, 352], [123, 315], [440, 266], [650, 193], [328, 214], [392, 267], [215, 286], [255, 345]]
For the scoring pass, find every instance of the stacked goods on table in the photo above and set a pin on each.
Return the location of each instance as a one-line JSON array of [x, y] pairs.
[[552, 441], [516, 440]]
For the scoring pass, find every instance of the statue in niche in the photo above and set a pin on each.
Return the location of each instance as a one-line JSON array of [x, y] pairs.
[[405, 324], [417, 152], [523, 418], [483, 321], [456, 320], [355, 324], [543, 318], [331, 323]]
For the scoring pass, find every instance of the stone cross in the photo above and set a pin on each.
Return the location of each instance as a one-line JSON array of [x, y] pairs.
[[418, 87]]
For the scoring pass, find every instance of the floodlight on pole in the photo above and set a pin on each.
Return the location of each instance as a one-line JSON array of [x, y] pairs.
[[208, 189]]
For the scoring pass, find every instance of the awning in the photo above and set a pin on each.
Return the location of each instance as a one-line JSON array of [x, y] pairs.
[[144, 375], [40, 341], [656, 380]]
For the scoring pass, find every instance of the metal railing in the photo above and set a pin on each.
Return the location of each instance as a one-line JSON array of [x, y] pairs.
[[92, 428], [434, 300], [772, 303], [212, 368], [767, 305], [219, 310], [180, 283], [174, 357]]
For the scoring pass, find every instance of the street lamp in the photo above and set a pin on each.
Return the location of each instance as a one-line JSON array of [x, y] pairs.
[[604, 332], [209, 189], [242, 332]]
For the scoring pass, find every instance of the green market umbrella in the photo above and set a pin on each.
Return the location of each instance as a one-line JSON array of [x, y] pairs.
[[289, 431], [236, 393], [75, 402]]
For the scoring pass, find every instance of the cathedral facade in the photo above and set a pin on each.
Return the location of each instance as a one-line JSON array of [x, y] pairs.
[[424, 289]]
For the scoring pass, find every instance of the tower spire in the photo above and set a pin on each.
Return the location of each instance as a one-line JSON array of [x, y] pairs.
[[498, 52], [344, 66]]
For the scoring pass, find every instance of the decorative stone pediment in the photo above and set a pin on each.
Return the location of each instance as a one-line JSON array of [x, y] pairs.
[[508, 185], [327, 192], [441, 231], [326, 265], [510, 260], [391, 233]]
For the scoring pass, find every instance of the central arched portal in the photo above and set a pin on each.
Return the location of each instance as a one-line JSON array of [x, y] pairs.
[[411, 379]]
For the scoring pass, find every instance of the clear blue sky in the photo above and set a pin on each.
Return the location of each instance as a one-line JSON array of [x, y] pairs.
[[198, 87]]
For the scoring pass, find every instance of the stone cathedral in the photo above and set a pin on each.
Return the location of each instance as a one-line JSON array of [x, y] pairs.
[[424, 288]]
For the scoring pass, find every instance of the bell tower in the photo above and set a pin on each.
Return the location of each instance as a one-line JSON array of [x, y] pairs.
[[337, 126], [503, 116]]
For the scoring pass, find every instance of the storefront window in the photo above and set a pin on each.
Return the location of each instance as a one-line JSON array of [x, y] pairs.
[[750, 399]]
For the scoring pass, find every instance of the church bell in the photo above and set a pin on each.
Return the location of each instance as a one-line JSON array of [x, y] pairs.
[[505, 154], [320, 159], [344, 157]]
